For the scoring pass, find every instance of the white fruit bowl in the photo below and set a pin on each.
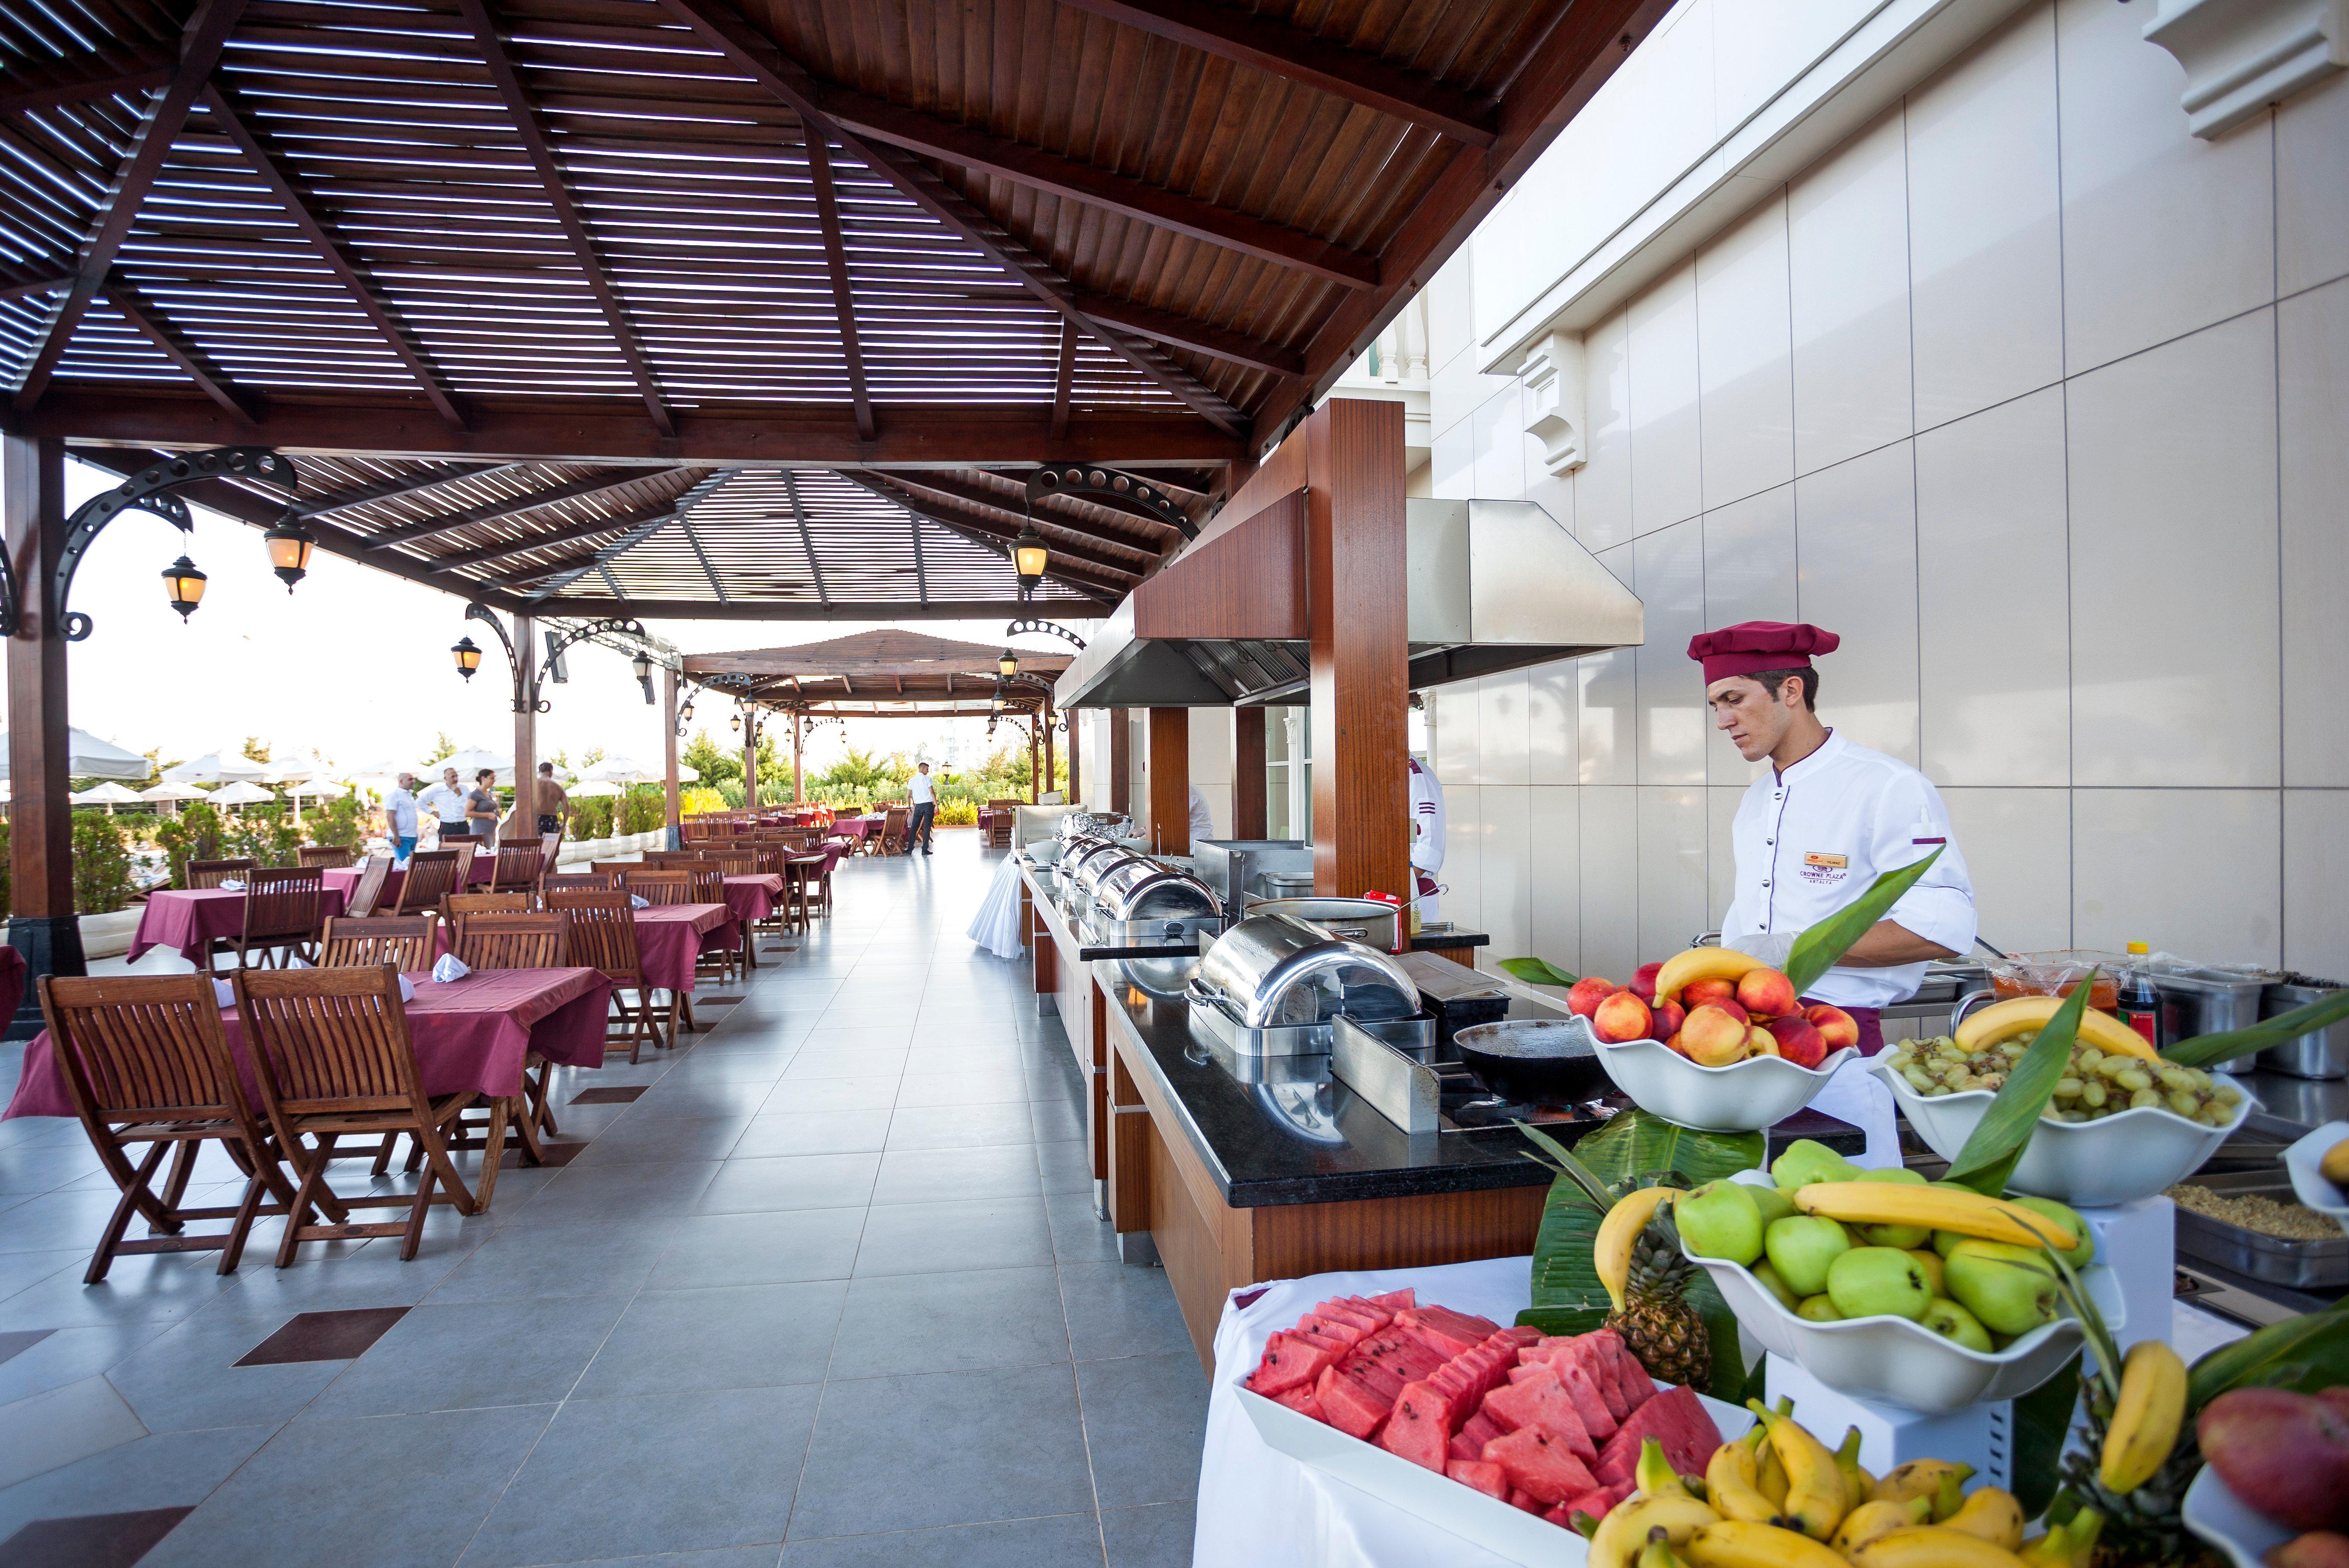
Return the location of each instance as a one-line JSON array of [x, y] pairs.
[[2087, 1164], [2308, 1183], [1902, 1363], [1743, 1097], [2215, 1514]]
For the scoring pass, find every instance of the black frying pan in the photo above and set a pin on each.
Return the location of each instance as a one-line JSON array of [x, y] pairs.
[[1534, 1061]]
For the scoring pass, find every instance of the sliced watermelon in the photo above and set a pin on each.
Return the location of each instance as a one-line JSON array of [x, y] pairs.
[[1593, 1502], [1519, 1498], [1286, 1363], [1630, 1377], [1397, 1300], [1444, 1331], [1350, 1403], [1599, 1368], [1484, 1476], [1542, 1402], [1301, 1400], [1525, 1369], [1520, 1335], [1540, 1464], [1468, 1442], [1344, 1335], [1420, 1427], [1675, 1418], [1588, 1403]]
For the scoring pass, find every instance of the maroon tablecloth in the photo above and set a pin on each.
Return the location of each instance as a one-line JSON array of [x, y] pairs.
[[186, 920], [12, 981], [858, 827], [470, 1034], [752, 898], [670, 936]]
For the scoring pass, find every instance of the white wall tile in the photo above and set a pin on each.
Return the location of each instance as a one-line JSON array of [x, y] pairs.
[[1500, 438], [2312, 346], [2136, 182], [1749, 575], [2174, 555], [2316, 882], [1553, 724], [1993, 601], [1210, 749], [1451, 314], [2312, 152], [1986, 250], [1745, 347], [1607, 710], [1503, 733], [1674, 893], [1610, 826], [2018, 849], [1554, 493], [1452, 709], [1848, 223], [1602, 486], [2195, 871], [1856, 528], [1553, 866], [1462, 876], [1721, 805], [1504, 870], [1757, 50], [1452, 462], [1672, 715], [1665, 450]]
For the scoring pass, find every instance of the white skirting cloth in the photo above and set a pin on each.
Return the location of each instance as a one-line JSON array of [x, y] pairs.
[[1858, 1096], [996, 926]]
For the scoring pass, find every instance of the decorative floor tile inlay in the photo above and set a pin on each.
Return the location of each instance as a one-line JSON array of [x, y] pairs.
[[15, 1344], [551, 1156], [324, 1336], [89, 1539], [627, 1096]]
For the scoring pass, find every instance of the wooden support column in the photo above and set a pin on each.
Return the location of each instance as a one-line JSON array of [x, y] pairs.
[[525, 806], [669, 755], [1248, 773], [1170, 780], [1035, 789], [41, 923], [751, 758], [1076, 779], [1121, 759], [1052, 766], [799, 753]]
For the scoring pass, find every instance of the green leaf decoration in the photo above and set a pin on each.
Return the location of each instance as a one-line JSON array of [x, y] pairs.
[[1538, 971], [2302, 1354], [2206, 1050], [1817, 948], [2042, 1421], [1989, 1156], [1637, 1145]]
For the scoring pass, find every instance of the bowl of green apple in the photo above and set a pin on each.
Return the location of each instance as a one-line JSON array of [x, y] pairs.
[[1928, 1320]]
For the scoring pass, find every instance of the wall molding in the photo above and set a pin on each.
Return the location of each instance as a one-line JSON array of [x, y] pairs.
[[2242, 55]]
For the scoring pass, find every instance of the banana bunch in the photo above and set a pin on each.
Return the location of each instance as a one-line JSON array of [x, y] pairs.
[[1934, 1208], [1779, 1498], [2146, 1418], [1694, 963], [1618, 1233], [2003, 1021]]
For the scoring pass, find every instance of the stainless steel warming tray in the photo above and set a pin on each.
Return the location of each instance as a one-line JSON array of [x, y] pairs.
[[1273, 985], [1141, 902], [1083, 868]]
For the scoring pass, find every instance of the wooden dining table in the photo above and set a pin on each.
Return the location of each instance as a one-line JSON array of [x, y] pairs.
[[188, 920]]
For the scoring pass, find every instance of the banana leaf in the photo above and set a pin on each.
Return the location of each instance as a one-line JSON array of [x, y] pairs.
[[2206, 1050], [1989, 1156], [1538, 972], [2041, 1424], [1637, 1145], [1817, 948], [2302, 1354]]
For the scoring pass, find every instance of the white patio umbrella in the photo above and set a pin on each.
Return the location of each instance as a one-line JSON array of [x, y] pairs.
[[108, 795], [87, 756], [471, 760], [171, 794], [593, 787], [218, 767], [622, 771], [241, 794], [299, 768], [687, 774]]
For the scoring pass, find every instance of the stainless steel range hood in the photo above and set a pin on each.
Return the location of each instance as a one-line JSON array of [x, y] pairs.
[[1494, 586]]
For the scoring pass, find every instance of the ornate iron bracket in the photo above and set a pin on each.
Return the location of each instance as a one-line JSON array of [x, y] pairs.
[[530, 701], [148, 491], [11, 604], [1049, 627], [1113, 485]]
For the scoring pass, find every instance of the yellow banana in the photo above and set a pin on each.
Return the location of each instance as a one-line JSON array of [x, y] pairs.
[[1623, 1533], [1610, 1253], [1934, 1208], [1858, 1484], [1702, 963], [2334, 1166], [1658, 1553], [1871, 1520], [1738, 1544], [1950, 1498], [1932, 1547], [1814, 1502], [2005, 1020], [1990, 1514], [1654, 1474], [1770, 1476], [1732, 1484], [2070, 1546], [2146, 1419], [1919, 1478]]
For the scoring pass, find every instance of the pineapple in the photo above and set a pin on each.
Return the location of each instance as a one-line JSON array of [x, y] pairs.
[[1657, 1320], [2143, 1526]]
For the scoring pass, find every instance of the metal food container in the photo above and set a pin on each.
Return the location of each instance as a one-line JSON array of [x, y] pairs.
[[1282, 884], [1231, 866], [1084, 869], [2304, 1265], [1272, 985], [1137, 890], [1363, 920], [2319, 1054], [2196, 1001]]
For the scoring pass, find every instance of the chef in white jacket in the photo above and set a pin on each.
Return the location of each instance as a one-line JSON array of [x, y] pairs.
[[1824, 822], [1426, 837]]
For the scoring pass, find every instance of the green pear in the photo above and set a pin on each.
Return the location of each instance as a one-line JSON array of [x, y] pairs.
[[1818, 1309], [1773, 1202], [1777, 1287], [1802, 1248], [1877, 1281], [1719, 1221], [1945, 1239], [1930, 1262], [2012, 1290], [2070, 1220], [1953, 1321], [1901, 1236], [1806, 1160]]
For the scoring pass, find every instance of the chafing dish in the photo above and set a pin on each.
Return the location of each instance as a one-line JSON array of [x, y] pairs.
[[1273, 984], [1146, 902], [1107, 826], [1231, 866], [1083, 868], [1363, 920], [2302, 1266]]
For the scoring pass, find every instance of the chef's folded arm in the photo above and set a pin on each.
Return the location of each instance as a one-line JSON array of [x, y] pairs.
[[1934, 919]]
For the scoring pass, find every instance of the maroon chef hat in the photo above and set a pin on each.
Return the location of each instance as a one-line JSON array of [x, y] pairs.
[[1752, 647]]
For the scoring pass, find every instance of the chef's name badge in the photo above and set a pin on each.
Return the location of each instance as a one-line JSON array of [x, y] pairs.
[[1824, 869]]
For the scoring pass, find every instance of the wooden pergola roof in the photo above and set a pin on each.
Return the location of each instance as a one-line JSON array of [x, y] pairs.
[[876, 674]]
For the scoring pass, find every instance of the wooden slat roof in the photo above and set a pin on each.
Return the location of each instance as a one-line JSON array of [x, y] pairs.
[[888, 669]]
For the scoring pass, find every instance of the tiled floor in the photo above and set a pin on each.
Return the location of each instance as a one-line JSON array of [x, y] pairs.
[[829, 1292]]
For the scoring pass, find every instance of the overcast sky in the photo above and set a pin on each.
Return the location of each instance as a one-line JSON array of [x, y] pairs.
[[355, 662]]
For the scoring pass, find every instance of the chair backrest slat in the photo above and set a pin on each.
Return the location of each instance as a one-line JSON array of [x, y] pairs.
[[432, 877], [603, 933], [368, 893], [512, 941], [325, 1039], [518, 866], [281, 903], [660, 886], [565, 880], [141, 1047], [212, 873], [326, 857], [404, 943], [460, 904]]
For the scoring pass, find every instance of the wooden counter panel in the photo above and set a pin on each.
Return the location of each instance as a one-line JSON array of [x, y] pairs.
[[1293, 1239], [1196, 1248]]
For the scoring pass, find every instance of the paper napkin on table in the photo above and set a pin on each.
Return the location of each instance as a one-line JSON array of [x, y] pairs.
[[407, 989], [637, 901], [230, 884], [224, 994], [451, 967]]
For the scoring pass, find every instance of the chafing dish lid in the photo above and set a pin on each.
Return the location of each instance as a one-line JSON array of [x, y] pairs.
[[1141, 889], [1086, 867], [1273, 972]]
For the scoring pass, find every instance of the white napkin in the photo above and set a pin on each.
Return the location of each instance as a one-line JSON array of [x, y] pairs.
[[636, 900], [406, 990], [450, 968], [224, 994], [230, 884]]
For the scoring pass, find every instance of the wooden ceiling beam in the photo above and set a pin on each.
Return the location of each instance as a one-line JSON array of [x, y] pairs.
[[618, 523], [954, 488], [807, 538], [843, 293], [142, 313], [490, 512], [1087, 571], [407, 484], [601, 560], [1196, 337], [1308, 59], [78, 78], [18, 282], [556, 183], [1064, 378], [199, 48], [353, 274], [813, 609]]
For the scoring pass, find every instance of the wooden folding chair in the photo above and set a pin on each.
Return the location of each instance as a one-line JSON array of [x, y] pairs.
[[893, 832], [558, 882], [432, 877], [404, 944], [146, 1062], [465, 850], [368, 891], [603, 937], [459, 904], [326, 857], [659, 884], [212, 873], [282, 907], [518, 868], [733, 860], [663, 859], [332, 1052], [514, 940]]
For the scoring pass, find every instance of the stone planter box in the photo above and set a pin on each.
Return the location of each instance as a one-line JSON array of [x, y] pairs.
[[108, 935]]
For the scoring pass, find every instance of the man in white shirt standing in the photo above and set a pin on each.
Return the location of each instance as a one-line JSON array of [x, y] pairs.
[[446, 801], [1814, 831], [925, 809], [399, 819]]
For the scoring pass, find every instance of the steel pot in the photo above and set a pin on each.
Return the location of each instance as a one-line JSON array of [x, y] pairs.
[[2319, 1054], [1533, 1061]]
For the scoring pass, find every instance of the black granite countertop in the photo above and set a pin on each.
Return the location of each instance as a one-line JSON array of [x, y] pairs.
[[1092, 944], [1428, 940]]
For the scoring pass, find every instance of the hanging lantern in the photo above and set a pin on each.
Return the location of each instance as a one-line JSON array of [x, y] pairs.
[[1008, 664], [469, 656], [289, 544], [1029, 557], [735, 724], [185, 584]]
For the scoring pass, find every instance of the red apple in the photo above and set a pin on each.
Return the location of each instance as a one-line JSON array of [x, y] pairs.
[[1644, 982], [1766, 993], [1668, 1019], [1583, 1000], [2317, 1549], [1698, 992], [1622, 1017], [1799, 1042], [1713, 1037], [1836, 1027], [2285, 1455]]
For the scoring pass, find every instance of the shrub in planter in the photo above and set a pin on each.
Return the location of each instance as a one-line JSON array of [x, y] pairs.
[[193, 835], [957, 814], [339, 822], [101, 864]]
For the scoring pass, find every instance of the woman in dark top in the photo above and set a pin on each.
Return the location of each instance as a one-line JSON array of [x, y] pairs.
[[481, 810]]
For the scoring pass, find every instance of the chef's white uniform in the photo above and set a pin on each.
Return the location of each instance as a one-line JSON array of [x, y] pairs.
[[1809, 840], [1203, 822], [1426, 836]]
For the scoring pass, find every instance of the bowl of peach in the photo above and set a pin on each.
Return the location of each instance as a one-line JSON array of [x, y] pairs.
[[1715, 1039]]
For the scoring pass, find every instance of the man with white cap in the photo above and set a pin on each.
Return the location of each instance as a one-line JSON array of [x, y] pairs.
[[1826, 818]]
